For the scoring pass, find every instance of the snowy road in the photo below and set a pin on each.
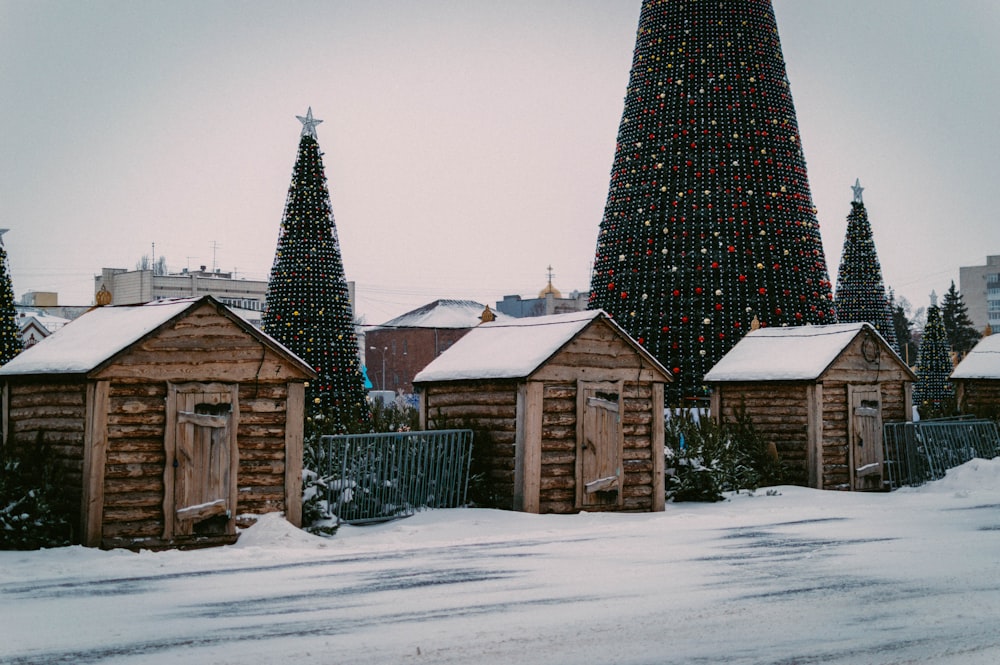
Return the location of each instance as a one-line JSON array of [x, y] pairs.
[[804, 577]]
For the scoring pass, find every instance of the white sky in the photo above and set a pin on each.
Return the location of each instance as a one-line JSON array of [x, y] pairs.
[[468, 143], [800, 576]]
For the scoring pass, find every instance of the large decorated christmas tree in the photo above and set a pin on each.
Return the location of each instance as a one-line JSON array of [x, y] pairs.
[[11, 343], [933, 392], [860, 295], [709, 223], [308, 307]]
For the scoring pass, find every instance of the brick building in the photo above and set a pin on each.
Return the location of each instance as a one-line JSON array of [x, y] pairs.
[[397, 349]]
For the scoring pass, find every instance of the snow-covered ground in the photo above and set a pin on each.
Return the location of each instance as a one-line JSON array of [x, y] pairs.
[[788, 576]]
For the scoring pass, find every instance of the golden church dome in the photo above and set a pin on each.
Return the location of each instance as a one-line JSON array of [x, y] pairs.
[[549, 288]]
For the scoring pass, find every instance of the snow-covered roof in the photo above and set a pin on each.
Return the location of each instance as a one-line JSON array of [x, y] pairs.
[[83, 344], [509, 349], [49, 322], [983, 362], [442, 314], [799, 353]]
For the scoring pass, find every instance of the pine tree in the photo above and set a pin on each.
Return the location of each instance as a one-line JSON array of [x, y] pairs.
[[709, 221], [307, 304], [11, 343], [903, 328], [860, 295], [933, 393], [959, 329]]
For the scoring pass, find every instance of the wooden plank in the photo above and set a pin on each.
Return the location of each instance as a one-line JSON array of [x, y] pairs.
[[202, 511], [601, 484], [814, 435], [908, 401], [422, 410], [207, 367], [232, 480], [170, 448], [49, 397], [466, 395], [658, 438], [294, 427], [202, 420], [610, 374], [5, 416], [519, 443], [94, 459], [532, 444]]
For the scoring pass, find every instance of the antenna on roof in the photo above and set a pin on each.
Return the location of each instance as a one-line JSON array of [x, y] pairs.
[[215, 248]]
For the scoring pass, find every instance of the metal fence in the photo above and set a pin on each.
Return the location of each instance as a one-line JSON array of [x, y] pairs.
[[378, 477], [918, 452]]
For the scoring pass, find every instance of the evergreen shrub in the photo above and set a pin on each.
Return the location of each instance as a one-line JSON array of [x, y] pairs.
[[704, 459], [32, 503]]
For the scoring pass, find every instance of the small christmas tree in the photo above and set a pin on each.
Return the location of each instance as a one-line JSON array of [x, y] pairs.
[[307, 305], [709, 221], [959, 329], [933, 393], [860, 295], [11, 343]]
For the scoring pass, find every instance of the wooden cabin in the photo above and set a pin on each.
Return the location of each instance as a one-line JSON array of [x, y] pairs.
[[567, 411], [820, 394], [168, 421], [977, 379]]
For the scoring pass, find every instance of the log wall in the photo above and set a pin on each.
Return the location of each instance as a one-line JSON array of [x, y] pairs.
[[637, 453], [133, 477], [261, 440], [979, 397], [133, 469], [835, 466], [779, 413], [836, 474], [557, 482], [51, 416], [489, 408]]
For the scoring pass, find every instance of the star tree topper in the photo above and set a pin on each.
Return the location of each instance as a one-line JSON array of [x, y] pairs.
[[856, 187], [308, 123]]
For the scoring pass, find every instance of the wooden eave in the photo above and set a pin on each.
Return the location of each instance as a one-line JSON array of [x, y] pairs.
[[655, 365], [267, 342], [881, 342]]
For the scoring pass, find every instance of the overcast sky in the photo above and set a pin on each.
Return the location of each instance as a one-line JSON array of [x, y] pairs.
[[468, 143]]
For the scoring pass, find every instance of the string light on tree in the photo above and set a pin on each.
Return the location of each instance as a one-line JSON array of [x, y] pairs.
[[10, 334], [860, 295], [307, 305], [709, 220]]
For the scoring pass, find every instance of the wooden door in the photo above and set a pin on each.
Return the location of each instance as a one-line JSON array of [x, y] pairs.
[[599, 445], [865, 429], [202, 460]]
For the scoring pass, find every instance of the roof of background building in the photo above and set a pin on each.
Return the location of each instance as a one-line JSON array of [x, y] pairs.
[[442, 314]]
